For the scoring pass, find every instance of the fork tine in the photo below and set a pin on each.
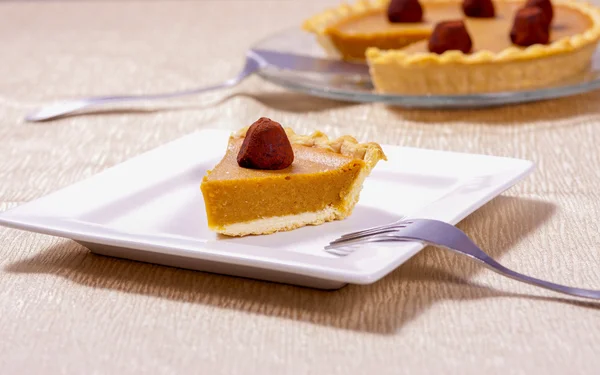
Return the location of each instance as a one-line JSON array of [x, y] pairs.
[[373, 228], [368, 231], [362, 240], [372, 232], [376, 230]]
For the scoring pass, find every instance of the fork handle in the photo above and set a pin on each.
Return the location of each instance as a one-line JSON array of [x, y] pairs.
[[499, 268], [466, 247], [69, 106]]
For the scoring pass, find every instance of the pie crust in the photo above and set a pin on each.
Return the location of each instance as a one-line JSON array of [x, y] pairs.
[[346, 145]]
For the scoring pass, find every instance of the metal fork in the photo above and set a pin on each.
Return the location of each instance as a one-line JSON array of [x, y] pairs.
[[438, 233], [69, 106]]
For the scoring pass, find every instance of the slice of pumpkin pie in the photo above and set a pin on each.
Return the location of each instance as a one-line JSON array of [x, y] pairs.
[[272, 179]]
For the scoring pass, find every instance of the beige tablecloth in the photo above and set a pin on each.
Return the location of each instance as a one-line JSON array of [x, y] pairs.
[[64, 310]]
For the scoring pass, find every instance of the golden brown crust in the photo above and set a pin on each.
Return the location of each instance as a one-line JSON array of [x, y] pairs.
[[346, 145]]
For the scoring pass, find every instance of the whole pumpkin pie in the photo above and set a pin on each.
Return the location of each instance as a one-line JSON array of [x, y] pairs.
[[401, 60], [243, 195]]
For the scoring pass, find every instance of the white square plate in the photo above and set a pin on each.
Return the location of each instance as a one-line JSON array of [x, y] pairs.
[[150, 209]]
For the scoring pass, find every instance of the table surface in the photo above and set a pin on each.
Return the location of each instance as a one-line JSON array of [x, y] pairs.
[[64, 310]]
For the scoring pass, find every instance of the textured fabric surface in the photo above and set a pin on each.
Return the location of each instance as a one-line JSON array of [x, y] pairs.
[[64, 310]]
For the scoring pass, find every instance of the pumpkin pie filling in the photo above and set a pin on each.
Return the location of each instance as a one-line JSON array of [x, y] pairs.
[[351, 37], [289, 191], [322, 184], [493, 34], [354, 35]]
